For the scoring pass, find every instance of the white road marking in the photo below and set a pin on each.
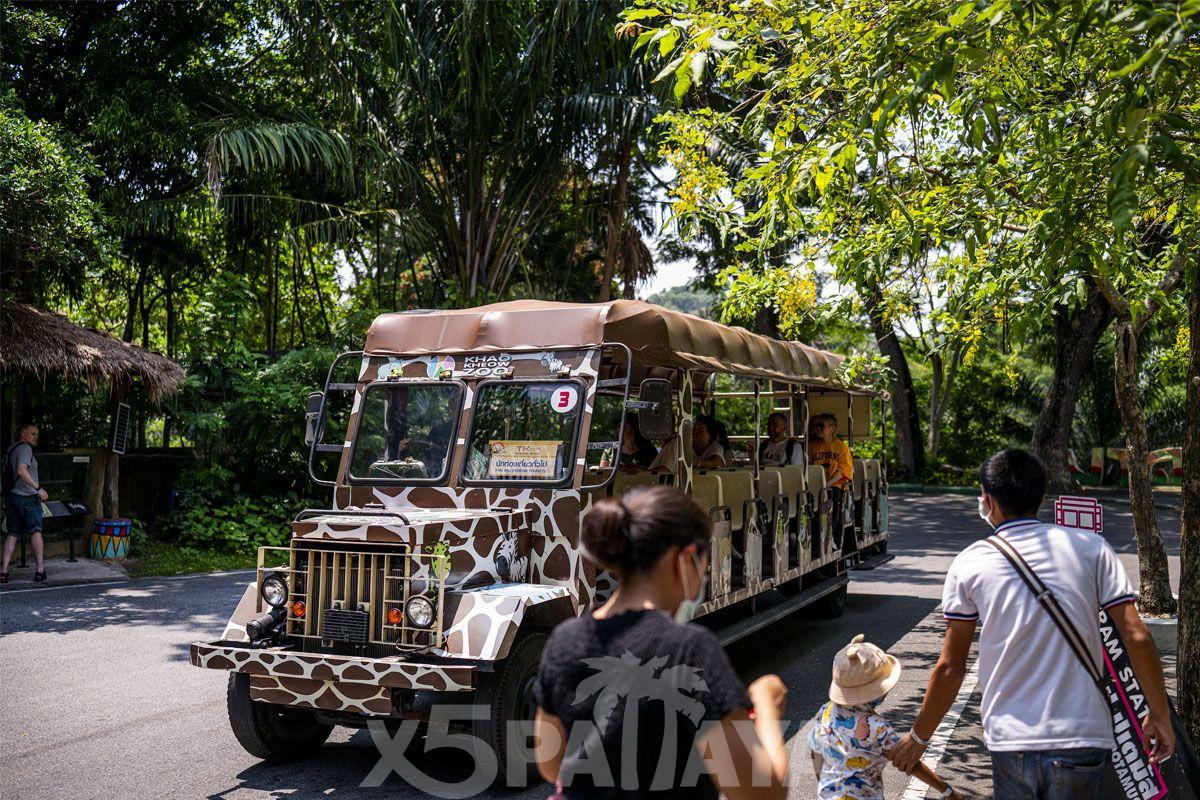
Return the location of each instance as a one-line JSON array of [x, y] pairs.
[[941, 737]]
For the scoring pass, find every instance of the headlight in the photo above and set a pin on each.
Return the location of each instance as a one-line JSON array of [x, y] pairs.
[[420, 611], [274, 591]]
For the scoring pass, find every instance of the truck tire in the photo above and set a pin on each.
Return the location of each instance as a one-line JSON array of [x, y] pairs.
[[271, 732], [832, 605], [509, 693]]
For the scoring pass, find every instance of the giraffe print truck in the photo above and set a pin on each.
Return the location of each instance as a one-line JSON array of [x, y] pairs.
[[464, 449]]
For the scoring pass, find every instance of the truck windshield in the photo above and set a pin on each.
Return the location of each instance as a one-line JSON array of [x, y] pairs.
[[523, 432], [405, 431]]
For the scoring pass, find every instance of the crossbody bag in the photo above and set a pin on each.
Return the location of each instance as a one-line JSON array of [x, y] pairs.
[[1057, 614]]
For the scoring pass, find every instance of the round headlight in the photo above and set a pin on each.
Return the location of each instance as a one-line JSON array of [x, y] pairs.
[[419, 611], [274, 591]]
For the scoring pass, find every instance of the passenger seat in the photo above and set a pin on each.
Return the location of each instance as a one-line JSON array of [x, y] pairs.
[[706, 491], [737, 486], [626, 481]]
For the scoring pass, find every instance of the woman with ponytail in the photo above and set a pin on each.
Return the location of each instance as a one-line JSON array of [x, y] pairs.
[[633, 700]]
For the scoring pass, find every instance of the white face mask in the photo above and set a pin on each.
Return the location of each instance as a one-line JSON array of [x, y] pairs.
[[984, 511], [687, 609]]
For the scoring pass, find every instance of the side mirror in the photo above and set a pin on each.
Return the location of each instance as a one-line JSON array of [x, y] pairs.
[[312, 416], [654, 408]]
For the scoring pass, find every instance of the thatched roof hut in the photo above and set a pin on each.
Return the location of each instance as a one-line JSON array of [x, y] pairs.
[[45, 343]]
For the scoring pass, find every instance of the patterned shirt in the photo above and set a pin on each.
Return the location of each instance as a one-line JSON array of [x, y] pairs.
[[852, 741]]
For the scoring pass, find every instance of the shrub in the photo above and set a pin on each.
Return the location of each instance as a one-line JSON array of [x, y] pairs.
[[239, 526]]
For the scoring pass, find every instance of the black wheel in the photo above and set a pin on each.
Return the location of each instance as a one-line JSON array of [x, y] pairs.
[[832, 605], [509, 693], [272, 732]]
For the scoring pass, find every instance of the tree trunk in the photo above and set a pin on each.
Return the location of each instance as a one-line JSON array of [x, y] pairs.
[[112, 468], [939, 398], [910, 453], [1188, 662], [1075, 338], [1155, 590], [616, 220]]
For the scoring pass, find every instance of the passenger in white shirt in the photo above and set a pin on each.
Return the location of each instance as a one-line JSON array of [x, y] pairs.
[[1045, 723], [779, 449]]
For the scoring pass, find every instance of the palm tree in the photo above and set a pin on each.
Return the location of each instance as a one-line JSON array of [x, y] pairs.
[[453, 126], [629, 677]]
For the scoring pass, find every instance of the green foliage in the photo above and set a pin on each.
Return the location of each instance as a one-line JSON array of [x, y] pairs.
[[49, 225], [689, 301], [166, 558], [245, 417], [240, 526]]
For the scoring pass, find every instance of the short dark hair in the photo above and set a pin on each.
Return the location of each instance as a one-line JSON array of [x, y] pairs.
[[1016, 479], [779, 414]]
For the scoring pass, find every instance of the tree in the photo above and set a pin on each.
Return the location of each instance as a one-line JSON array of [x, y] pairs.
[[1189, 577], [456, 127], [49, 225], [1077, 330], [1048, 142]]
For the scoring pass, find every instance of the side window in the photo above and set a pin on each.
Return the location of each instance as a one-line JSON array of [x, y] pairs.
[[604, 431]]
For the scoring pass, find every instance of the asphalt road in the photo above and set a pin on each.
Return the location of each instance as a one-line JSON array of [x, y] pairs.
[[99, 701]]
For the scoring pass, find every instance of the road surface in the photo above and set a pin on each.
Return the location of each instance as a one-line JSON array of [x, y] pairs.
[[99, 700]]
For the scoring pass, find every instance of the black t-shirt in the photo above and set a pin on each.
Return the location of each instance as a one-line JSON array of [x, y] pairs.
[[644, 455], [592, 670]]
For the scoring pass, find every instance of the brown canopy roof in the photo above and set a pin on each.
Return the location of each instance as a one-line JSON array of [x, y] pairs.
[[44, 343], [657, 337]]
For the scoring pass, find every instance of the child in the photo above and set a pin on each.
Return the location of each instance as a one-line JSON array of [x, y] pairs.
[[849, 739]]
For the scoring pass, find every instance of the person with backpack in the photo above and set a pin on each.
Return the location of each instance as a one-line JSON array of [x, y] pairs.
[[1036, 590], [779, 449], [23, 498]]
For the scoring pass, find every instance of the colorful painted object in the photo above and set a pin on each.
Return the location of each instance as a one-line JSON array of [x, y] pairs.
[[110, 538]]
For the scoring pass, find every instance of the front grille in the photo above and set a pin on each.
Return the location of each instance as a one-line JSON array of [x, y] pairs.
[[341, 585], [339, 625]]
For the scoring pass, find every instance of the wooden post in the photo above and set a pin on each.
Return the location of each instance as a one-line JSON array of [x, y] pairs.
[[112, 469]]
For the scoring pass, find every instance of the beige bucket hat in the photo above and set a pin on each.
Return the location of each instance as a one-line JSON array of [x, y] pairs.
[[861, 673]]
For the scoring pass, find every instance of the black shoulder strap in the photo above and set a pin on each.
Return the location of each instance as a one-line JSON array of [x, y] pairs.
[[791, 450], [1053, 608]]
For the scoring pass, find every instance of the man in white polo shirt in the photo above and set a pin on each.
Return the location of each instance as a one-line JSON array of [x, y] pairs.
[[1045, 723]]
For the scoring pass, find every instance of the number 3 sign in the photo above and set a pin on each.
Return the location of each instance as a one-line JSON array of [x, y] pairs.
[[564, 399]]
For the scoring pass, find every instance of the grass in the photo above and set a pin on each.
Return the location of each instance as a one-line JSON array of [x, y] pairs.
[[164, 558]]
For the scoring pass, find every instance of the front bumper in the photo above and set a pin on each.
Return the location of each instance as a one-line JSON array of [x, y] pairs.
[[330, 682]]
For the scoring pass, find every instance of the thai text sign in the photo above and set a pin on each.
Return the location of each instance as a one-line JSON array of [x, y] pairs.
[[524, 459]]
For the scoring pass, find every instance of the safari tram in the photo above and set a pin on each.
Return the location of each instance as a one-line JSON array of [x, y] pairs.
[[463, 449]]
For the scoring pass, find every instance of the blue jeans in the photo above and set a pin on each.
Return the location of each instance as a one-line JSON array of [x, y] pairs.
[[1049, 774]]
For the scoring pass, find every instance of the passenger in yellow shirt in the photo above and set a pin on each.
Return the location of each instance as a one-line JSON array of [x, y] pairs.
[[830, 452]]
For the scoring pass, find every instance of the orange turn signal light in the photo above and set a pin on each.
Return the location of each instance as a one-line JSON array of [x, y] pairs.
[[298, 608], [395, 616]]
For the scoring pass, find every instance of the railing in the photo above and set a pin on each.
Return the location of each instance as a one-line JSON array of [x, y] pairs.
[[375, 585]]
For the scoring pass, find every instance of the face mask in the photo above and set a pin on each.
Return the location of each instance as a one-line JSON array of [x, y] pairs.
[[687, 609], [984, 511]]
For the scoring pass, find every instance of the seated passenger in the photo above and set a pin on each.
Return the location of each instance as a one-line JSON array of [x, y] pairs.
[[825, 449], [667, 456], [779, 449], [707, 444], [636, 450]]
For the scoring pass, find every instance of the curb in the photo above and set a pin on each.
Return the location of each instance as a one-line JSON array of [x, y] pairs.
[[922, 488], [30, 586]]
